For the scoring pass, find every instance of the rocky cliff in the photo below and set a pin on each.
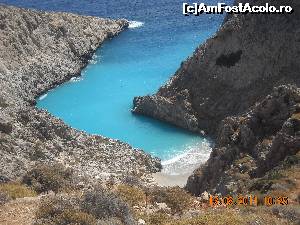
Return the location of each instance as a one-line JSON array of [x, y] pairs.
[[39, 50], [247, 57], [250, 145], [227, 89]]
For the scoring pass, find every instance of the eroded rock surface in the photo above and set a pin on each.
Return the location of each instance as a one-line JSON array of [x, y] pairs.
[[39, 50]]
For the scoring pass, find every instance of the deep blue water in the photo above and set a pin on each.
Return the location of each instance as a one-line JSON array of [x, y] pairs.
[[137, 62]]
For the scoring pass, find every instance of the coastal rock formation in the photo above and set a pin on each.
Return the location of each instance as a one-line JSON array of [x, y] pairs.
[[39, 50], [240, 65], [252, 144], [175, 110]]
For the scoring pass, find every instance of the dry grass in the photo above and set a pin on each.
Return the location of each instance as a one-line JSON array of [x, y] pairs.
[[17, 190], [176, 198], [296, 116], [57, 211], [132, 195], [45, 178], [222, 216]]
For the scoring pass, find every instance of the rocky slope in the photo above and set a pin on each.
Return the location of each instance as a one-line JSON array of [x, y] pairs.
[[39, 50], [250, 145], [247, 57], [227, 89]]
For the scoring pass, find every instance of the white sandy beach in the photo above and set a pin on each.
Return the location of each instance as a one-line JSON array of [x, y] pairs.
[[166, 180]]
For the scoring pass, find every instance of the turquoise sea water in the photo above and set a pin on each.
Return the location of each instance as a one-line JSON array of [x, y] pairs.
[[135, 63]]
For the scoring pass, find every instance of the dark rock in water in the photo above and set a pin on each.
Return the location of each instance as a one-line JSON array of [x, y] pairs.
[[226, 75], [40, 50]]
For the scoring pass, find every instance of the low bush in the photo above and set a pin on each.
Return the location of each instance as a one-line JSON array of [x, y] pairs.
[[93, 207], [45, 178], [16, 190], [157, 219], [176, 198], [62, 210], [102, 205], [132, 195]]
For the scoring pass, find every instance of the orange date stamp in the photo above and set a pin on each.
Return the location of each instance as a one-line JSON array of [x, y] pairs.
[[250, 200]]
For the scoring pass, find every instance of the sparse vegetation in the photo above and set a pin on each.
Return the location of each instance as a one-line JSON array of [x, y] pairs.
[[104, 205], [176, 198], [232, 217], [45, 178], [221, 216], [132, 195], [62, 210], [96, 206], [15, 190], [158, 218]]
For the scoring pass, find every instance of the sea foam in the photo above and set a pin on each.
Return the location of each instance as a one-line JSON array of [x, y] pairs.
[[75, 79], [135, 24], [43, 96], [188, 161]]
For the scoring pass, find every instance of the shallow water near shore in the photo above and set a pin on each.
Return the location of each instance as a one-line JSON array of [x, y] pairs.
[[135, 63]]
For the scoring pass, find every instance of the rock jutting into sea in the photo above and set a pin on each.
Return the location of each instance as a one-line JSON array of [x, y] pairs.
[[240, 87], [38, 51]]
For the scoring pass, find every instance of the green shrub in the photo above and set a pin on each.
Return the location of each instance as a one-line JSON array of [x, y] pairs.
[[44, 178], [16, 190], [132, 195]]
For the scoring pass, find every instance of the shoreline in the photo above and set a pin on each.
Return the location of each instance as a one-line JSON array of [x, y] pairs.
[[166, 180], [51, 48]]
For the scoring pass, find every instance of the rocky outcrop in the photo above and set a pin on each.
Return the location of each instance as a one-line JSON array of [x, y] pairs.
[[231, 71], [39, 50], [174, 110], [250, 145]]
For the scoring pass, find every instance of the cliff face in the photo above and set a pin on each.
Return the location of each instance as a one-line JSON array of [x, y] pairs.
[[39, 50], [227, 89], [253, 144], [241, 64]]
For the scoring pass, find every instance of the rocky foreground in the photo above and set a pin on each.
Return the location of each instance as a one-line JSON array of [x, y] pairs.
[[39, 50], [240, 87]]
